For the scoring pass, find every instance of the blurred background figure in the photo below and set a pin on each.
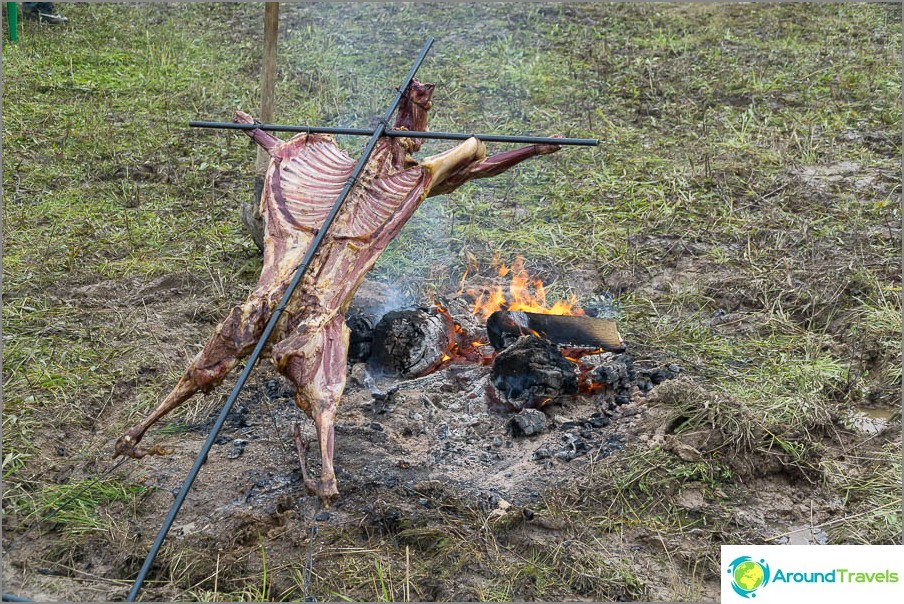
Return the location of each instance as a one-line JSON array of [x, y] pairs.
[[43, 11]]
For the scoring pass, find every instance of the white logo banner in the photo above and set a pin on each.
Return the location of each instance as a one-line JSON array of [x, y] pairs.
[[768, 574]]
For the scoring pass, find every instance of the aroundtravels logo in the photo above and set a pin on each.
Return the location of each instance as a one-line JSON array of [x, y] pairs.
[[812, 573], [748, 575]]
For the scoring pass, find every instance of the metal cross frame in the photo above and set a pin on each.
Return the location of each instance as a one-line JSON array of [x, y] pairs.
[[375, 134]]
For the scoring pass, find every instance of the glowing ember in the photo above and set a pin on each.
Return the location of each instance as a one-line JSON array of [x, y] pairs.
[[524, 293]]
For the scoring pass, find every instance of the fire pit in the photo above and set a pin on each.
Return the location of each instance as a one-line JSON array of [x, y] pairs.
[[538, 354]]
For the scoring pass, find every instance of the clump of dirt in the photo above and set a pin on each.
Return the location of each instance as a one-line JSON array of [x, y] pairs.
[[702, 422]]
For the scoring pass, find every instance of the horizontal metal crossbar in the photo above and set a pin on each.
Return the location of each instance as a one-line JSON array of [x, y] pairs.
[[454, 136]]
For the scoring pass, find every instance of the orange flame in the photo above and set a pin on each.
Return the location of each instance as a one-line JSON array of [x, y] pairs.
[[524, 293]]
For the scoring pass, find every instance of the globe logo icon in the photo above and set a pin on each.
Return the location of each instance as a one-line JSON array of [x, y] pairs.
[[748, 575]]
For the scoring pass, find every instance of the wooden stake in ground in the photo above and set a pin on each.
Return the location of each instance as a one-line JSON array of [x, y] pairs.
[[251, 216]]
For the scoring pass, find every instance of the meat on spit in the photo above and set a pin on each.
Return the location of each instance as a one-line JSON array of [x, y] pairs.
[[305, 176]]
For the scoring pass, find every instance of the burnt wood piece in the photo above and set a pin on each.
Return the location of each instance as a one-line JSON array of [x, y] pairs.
[[615, 377], [372, 300], [532, 373], [412, 342], [504, 326], [361, 335]]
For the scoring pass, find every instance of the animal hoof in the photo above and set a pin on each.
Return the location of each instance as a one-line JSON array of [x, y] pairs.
[[126, 446], [311, 486], [327, 492]]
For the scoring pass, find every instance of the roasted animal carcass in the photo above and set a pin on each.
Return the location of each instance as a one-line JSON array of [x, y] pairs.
[[305, 177]]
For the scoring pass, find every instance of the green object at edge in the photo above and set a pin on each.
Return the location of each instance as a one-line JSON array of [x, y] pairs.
[[12, 18]]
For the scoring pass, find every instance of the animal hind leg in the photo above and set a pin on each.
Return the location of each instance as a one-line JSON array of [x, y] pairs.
[[232, 340], [314, 359]]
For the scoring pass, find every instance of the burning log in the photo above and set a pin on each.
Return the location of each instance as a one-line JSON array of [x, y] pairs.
[[504, 327], [412, 342], [532, 373]]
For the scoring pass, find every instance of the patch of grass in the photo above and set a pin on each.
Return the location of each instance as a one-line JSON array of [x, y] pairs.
[[872, 499], [85, 514]]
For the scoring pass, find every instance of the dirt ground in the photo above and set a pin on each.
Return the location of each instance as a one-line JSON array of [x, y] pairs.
[[414, 458]]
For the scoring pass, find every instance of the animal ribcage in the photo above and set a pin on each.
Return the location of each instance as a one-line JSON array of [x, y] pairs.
[[312, 178]]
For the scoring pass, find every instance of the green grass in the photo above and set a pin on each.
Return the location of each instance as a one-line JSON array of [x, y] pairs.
[[86, 510], [711, 192], [872, 510]]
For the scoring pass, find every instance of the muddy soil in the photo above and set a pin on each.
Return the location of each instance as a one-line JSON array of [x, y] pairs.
[[407, 453]]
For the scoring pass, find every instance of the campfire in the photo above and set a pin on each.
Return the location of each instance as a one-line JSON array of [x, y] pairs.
[[540, 351], [523, 293]]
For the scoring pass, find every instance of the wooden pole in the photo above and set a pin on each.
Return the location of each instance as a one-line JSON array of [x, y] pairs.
[[251, 216], [268, 77]]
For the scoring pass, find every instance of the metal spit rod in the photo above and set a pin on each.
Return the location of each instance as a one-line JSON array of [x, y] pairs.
[[268, 330], [453, 136]]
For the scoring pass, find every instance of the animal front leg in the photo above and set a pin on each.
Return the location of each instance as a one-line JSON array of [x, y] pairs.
[[314, 359], [233, 340], [456, 174]]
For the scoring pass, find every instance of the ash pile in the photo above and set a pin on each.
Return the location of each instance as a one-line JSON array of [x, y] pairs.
[[460, 396]]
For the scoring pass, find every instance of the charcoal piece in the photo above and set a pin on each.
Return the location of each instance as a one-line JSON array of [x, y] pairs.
[[372, 300], [361, 337], [411, 342], [575, 447], [532, 372], [613, 372], [529, 422], [238, 447], [542, 453], [598, 420], [615, 376]]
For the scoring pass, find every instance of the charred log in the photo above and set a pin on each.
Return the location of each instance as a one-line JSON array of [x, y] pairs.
[[361, 337], [532, 373], [372, 300], [412, 342], [580, 331]]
